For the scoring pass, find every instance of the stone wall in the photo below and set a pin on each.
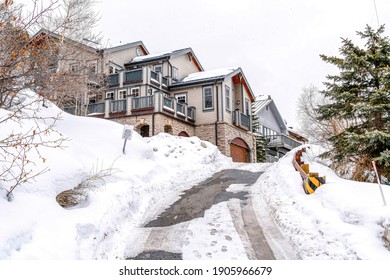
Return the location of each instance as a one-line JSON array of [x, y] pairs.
[[226, 133]]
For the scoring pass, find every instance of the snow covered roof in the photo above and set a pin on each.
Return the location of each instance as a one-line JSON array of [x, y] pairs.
[[213, 76], [261, 102], [265, 101], [165, 55], [210, 74], [127, 46]]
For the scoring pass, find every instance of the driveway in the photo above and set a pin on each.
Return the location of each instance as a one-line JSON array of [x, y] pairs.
[[214, 220]]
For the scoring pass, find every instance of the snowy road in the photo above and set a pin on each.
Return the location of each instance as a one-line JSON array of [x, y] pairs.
[[213, 220]]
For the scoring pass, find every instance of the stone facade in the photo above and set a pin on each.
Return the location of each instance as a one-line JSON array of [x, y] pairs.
[[226, 133]]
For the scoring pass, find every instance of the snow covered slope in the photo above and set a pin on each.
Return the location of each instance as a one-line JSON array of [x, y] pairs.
[[146, 180], [342, 220]]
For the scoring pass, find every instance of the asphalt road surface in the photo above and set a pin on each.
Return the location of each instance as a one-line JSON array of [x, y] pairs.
[[164, 237]]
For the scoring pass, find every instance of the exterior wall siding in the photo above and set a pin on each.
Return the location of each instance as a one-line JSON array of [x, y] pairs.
[[184, 65]]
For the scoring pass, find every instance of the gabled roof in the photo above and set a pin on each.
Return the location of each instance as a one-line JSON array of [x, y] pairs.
[[211, 76], [261, 104], [145, 59], [128, 46], [47, 33]]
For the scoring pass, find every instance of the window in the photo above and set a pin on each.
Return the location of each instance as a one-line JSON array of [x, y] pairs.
[[74, 67], [135, 91], [110, 95], [122, 94], [208, 102], [52, 68], [113, 70], [92, 67], [158, 68], [181, 97], [227, 97], [175, 73], [247, 107]]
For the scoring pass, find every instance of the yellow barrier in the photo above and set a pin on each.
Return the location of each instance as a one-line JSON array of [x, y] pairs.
[[310, 180], [312, 183]]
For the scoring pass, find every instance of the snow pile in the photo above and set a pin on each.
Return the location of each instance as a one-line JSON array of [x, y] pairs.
[[341, 220], [151, 175]]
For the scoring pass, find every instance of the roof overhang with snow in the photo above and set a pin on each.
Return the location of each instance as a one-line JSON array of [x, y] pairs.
[[139, 44], [262, 103], [215, 76], [149, 58]]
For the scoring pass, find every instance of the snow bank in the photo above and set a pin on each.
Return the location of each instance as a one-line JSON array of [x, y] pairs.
[[341, 220], [146, 180]]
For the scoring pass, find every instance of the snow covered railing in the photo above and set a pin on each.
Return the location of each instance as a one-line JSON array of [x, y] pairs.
[[310, 180]]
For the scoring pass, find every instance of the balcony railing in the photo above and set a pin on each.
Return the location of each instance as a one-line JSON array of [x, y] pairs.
[[96, 108], [154, 76], [164, 81], [113, 79], [133, 77], [180, 109], [282, 141], [143, 102], [191, 113], [118, 105], [241, 120], [168, 103], [141, 105]]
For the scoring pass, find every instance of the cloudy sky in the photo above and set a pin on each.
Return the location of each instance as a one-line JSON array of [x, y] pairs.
[[276, 42]]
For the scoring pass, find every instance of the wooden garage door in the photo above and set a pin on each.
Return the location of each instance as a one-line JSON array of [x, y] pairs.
[[238, 154]]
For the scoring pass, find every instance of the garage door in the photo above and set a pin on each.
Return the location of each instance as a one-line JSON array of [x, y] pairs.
[[239, 150]]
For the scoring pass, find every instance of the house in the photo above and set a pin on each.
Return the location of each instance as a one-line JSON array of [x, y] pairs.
[[279, 139], [70, 71], [165, 92], [170, 92]]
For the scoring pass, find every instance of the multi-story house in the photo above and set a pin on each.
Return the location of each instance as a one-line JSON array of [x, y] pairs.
[[279, 138], [170, 92], [167, 92]]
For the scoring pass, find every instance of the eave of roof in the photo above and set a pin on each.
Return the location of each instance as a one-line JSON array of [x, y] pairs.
[[126, 46], [141, 60]]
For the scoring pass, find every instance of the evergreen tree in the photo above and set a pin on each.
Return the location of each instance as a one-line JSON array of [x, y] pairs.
[[259, 140], [360, 96]]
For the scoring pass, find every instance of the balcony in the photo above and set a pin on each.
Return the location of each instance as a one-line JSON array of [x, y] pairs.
[[143, 102], [118, 105], [132, 77], [96, 108], [281, 141], [138, 76], [143, 105], [113, 80], [241, 120]]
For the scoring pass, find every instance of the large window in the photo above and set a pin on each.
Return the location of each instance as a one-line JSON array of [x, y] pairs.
[[208, 98], [227, 98]]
